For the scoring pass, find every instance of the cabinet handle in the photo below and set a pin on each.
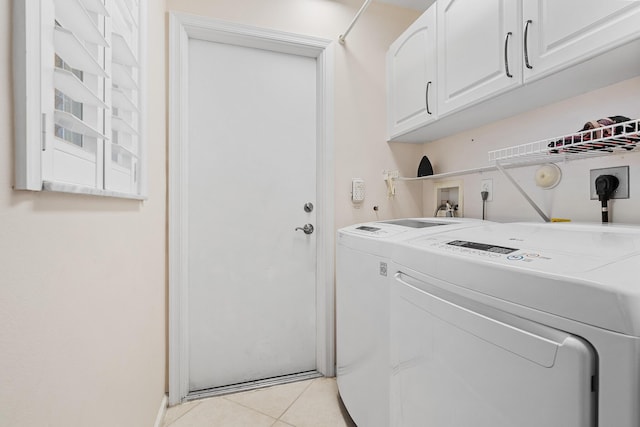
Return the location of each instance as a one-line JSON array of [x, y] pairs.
[[526, 44], [506, 54], [427, 97]]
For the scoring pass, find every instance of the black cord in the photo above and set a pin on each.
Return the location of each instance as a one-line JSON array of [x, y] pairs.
[[485, 196], [605, 186], [605, 210]]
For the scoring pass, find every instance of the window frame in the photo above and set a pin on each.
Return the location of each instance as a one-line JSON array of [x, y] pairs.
[[34, 129]]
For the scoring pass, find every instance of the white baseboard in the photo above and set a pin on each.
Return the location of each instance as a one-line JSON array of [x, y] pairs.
[[161, 412]]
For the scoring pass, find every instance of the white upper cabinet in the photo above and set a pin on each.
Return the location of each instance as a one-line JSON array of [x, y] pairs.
[[497, 58], [479, 50], [558, 34], [411, 76]]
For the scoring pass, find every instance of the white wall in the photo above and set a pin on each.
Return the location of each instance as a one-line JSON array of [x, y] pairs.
[[361, 150], [570, 199], [82, 284], [83, 279]]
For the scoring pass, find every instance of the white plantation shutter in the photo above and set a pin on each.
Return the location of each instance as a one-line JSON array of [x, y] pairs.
[[88, 106], [124, 149]]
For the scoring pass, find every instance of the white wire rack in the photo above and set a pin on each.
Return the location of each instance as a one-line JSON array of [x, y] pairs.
[[606, 140], [614, 139]]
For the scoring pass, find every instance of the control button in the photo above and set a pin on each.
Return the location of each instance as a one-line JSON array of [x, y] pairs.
[[515, 257], [533, 255]]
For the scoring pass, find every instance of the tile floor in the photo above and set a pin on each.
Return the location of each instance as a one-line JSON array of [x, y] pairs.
[[310, 403]]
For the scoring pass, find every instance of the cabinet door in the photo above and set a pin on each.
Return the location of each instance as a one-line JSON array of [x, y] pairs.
[[411, 75], [479, 50], [562, 33]]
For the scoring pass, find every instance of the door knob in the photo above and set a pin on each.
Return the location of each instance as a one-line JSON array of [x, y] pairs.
[[307, 228]]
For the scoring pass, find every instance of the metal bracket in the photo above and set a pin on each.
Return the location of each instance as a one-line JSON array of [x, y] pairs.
[[524, 193]]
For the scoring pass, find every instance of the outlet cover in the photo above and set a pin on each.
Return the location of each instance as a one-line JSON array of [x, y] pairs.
[[487, 185], [620, 172]]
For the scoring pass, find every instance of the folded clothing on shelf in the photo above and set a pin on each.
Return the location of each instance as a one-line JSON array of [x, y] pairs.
[[605, 137]]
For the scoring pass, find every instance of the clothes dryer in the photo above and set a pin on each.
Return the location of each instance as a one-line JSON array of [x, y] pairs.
[[522, 325], [362, 310]]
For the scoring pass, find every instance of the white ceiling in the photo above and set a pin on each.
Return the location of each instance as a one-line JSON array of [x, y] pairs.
[[420, 5]]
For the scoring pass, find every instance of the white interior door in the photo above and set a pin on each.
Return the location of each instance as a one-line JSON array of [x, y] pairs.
[[251, 169]]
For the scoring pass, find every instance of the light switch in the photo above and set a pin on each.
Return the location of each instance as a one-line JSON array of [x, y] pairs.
[[357, 190]]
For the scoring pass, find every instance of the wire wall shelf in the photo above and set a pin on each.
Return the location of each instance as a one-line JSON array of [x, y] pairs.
[[617, 138]]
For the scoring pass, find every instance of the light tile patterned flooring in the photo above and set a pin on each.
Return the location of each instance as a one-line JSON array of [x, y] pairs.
[[310, 403]]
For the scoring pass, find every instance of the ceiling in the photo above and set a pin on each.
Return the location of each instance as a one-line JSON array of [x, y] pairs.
[[420, 5]]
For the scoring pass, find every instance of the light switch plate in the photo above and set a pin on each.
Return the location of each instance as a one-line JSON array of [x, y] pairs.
[[357, 190]]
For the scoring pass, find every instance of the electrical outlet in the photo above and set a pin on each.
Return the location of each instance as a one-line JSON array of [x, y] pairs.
[[620, 172], [487, 185]]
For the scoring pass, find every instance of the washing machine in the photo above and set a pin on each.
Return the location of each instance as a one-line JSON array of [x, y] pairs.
[[362, 310], [523, 325]]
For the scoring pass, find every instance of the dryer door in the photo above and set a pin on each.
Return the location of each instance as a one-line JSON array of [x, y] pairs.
[[457, 363]]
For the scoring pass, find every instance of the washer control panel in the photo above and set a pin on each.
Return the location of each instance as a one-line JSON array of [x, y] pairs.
[[484, 250], [482, 247], [368, 228], [383, 231]]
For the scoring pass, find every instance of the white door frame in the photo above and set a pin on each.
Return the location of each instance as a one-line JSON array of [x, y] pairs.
[[182, 27]]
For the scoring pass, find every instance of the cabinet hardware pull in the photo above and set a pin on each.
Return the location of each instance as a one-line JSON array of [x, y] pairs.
[[427, 97], [526, 44], [506, 54]]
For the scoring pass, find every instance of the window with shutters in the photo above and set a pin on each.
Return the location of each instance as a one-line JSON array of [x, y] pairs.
[[78, 94]]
